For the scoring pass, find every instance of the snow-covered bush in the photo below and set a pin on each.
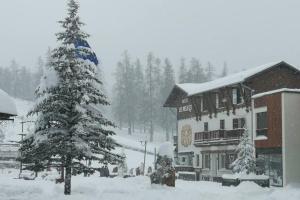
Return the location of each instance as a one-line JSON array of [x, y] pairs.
[[122, 166], [245, 162], [165, 172]]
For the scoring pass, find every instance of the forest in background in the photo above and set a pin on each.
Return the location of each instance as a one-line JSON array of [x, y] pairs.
[[140, 88], [20, 81]]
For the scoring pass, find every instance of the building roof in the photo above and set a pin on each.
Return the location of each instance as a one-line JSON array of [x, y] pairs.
[[7, 104], [196, 88], [275, 91]]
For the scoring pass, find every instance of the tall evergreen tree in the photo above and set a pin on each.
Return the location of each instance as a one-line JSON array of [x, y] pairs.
[[196, 72], [140, 95], [68, 122], [183, 73], [150, 91], [168, 118]]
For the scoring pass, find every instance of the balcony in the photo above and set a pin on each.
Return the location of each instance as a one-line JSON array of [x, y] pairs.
[[218, 137]]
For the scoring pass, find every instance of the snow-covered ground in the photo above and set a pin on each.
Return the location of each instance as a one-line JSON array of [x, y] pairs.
[[137, 188]]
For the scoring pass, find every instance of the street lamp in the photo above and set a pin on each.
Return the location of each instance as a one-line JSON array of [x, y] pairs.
[[144, 143]]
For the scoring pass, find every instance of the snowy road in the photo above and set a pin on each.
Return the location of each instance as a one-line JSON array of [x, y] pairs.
[[139, 188]]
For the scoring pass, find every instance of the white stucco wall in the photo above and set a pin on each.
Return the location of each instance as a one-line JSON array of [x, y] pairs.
[[213, 124], [291, 137]]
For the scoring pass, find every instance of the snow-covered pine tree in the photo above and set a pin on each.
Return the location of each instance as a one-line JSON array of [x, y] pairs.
[[245, 162], [68, 119], [165, 171], [122, 166]]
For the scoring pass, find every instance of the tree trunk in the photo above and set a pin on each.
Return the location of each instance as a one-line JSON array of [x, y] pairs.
[[68, 175], [151, 131]]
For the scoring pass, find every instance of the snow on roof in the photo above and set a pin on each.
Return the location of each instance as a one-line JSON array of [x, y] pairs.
[[275, 91], [196, 88], [7, 104]]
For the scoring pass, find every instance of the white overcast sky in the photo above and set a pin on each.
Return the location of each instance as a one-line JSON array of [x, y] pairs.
[[243, 33]]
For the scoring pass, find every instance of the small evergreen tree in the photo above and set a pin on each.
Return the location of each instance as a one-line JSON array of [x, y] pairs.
[[245, 162], [122, 166]]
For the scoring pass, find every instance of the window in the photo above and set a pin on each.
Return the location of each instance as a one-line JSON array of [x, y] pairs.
[[205, 126], [238, 123], [183, 159], [206, 163], [222, 161], [222, 124], [197, 160], [236, 96], [205, 104], [261, 124]]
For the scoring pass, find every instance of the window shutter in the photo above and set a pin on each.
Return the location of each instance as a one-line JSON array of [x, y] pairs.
[[243, 122]]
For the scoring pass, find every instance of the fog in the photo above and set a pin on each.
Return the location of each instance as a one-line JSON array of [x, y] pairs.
[[243, 34]]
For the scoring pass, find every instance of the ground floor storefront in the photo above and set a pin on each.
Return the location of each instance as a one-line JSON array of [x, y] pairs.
[[269, 162]]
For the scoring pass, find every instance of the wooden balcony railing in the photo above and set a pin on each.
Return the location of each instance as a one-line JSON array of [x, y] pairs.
[[217, 137]]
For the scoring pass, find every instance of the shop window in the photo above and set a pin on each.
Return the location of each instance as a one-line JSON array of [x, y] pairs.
[[197, 160], [222, 161], [206, 160]]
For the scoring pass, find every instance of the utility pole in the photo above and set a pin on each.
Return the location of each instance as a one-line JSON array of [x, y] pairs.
[[144, 143]]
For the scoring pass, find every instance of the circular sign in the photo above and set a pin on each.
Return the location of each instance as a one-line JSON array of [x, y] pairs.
[[186, 135]]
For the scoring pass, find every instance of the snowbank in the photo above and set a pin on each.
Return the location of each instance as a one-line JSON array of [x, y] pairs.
[[94, 187]]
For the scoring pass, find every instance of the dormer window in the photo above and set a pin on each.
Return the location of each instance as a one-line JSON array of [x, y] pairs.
[[236, 96]]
